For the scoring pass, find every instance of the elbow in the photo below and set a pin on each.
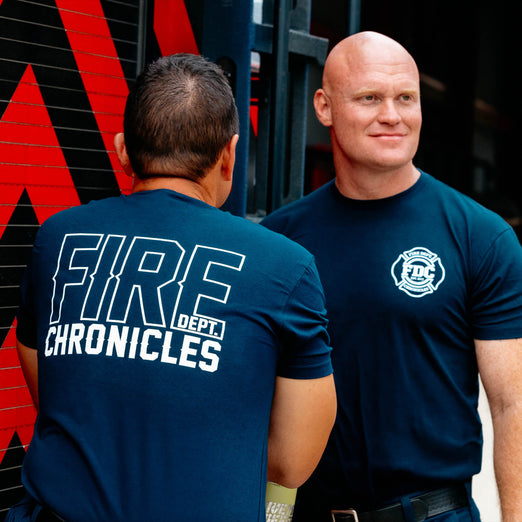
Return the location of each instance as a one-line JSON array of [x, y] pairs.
[[292, 470], [290, 483], [290, 478]]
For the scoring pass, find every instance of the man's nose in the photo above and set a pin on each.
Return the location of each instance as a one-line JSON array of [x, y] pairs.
[[388, 112]]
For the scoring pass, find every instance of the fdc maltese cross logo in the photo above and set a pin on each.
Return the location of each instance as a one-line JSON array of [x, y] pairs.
[[418, 272]]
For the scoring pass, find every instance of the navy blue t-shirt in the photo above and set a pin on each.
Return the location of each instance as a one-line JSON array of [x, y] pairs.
[[161, 323], [410, 281]]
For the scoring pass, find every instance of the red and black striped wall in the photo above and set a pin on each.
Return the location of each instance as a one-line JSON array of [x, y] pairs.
[[65, 68]]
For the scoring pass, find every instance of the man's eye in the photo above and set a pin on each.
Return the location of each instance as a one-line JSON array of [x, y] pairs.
[[406, 97]]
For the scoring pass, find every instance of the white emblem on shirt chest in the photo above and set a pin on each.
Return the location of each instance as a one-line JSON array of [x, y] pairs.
[[418, 272]]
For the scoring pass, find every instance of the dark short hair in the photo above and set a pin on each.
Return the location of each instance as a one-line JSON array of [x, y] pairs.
[[179, 116]]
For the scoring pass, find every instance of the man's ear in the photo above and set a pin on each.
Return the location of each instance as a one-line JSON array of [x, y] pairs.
[[322, 108], [121, 152], [228, 158]]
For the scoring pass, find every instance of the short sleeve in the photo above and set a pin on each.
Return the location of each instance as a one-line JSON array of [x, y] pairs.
[[497, 292], [306, 352]]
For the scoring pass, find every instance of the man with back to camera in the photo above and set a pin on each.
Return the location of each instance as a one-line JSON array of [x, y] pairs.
[[423, 287], [178, 355]]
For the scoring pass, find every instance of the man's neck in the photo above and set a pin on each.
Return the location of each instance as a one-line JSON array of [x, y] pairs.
[[181, 185], [367, 184]]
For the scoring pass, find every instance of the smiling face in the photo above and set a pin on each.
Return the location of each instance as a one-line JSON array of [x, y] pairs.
[[370, 100]]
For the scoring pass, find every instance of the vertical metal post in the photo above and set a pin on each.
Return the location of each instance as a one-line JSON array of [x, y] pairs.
[[142, 36], [227, 40], [354, 20], [279, 108]]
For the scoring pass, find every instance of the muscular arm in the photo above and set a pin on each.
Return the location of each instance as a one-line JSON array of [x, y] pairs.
[[303, 413], [500, 366], [29, 362]]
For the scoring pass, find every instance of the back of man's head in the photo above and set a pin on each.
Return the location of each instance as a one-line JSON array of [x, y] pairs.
[[179, 116]]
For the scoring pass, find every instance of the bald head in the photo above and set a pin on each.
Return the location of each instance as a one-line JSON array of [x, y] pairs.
[[370, 102], [364, 50]]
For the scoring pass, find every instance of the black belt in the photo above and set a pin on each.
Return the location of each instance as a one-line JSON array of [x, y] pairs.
[[424, 506]]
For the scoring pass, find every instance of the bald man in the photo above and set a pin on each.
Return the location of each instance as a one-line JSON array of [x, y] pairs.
[[423, 288]]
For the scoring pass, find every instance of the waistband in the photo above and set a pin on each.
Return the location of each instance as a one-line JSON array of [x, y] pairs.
[[423, 506]]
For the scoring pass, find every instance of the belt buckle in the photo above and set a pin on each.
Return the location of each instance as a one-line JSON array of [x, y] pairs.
[[351, 512]]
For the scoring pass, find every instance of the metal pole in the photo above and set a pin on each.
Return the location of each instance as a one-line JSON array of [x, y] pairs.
[[279, 111], [142, 36], [354, 21]]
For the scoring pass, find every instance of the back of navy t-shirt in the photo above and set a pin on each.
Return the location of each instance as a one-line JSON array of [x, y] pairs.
[[160, 324]]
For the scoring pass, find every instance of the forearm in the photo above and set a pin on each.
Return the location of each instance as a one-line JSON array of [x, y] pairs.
[[500, 366], [508, 460]]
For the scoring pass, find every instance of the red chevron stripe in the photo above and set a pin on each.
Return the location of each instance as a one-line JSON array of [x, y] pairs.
[[102, 74], [173, 29], [30, 155]]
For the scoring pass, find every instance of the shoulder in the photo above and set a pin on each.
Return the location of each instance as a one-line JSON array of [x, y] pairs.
[[92, 207], [463, 206], [270, 243], [484, 234], [273, 261], [301, 210], [80, 216]]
